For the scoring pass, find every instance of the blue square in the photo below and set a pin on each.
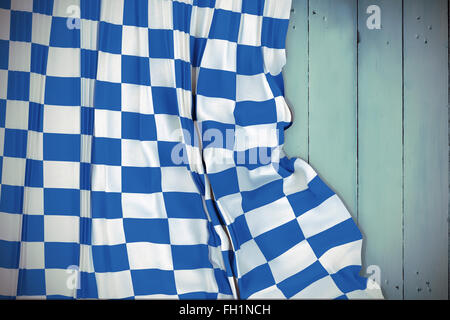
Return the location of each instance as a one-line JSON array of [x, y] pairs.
[[21, 23], [108, 95], [160, 43], [241, 231], [106, 151], [62, 91], [249, 113], [34, 173], [184, 205], [141, 179], [87, 120], [90, 9], [217, 83], [2, 113], [205, 3], [4, 54], [62, 202], [106, 205], [348, 279], [15, 143], [135, 70], [183, 74], [222, 282], [88, 286], [62, 36], [153, 281], [276, 84], [197, 47], [165, 100], [85, 176], [275, 242], [138, 126], [85, 231], [255, 7], [182, 16], [135, 13], [18, 85], [273, 33], [35, 117], [225, 25], [263, 195], [89, 63], [43, 7], [146, 230], [61, 255], [5, 4], [256, 280], [172, 154], [111, 258], [9, 254], [249, 60], [224, 183], [32, 228], [189, 257], [11, 199], [31, 282], [110, 37], [62, 147]]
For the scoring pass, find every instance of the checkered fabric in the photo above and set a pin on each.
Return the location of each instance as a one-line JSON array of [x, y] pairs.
[[141, 157]]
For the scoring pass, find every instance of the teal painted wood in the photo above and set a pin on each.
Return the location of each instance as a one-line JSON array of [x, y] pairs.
[[297, 88], [425, 149], [332, 87], [380, 155]]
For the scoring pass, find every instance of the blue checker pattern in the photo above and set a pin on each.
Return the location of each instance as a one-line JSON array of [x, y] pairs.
[[111, 196]]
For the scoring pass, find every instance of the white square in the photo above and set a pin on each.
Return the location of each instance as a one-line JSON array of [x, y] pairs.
[[168, 128], [280, 9], [85, 204], [4, 80], [188, 231], [5, 24], [231, 207], [11, 226], [106, 178], [32, 255], [13, 172], [107, 232], [253, 179], [40, 30], [61, 228], [89, 34], [63, 62], [270, 293], [292, 261], [2, 140], [262, 135], [136, 153], [135, 41], [182, 45], [56, 283], [86, 147], [284, 113], [274, 60], [88, 89], [66, 8], [37, 87], [235, 5], [203, 18], [162, 73], [19, 56], [61, 119], [143, 205], [219, 109], [112, 11], [22, 5], [349, 255], [108, 124], [86, 261], [177, 179], [248, 257], [217, 159], [160, 14], [324, 288], [184, 102], [253, 88], [17, 114], [109, 67], [250, 30], [137, 98], [146, 255], [61, 174], [197, 280], [269, 216], [35, 145], [33, 201], [114, 285], [8, 279], [220, 55]]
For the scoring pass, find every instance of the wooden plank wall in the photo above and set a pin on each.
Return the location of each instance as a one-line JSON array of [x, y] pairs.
[[371, 116]]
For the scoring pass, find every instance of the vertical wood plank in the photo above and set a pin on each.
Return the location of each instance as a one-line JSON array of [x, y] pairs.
[[425, 149], [380, 103], [333, 79], [296, 80]]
